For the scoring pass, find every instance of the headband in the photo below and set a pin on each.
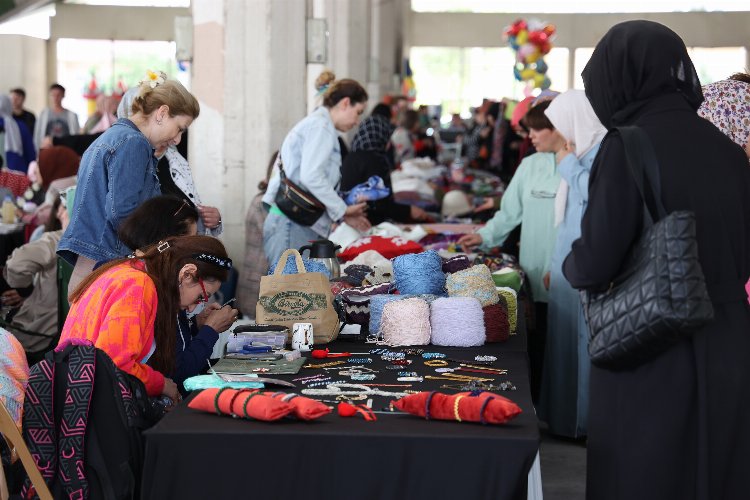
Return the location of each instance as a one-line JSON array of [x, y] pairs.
[[210, 258]]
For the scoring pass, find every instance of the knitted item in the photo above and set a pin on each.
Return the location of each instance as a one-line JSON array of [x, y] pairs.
[[511, 300], [455, 264], [473, 282]]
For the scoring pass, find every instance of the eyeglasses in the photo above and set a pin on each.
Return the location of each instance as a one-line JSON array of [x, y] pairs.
[[203, 289]]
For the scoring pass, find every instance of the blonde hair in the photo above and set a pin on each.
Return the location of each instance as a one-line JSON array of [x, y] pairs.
[[170, 93]]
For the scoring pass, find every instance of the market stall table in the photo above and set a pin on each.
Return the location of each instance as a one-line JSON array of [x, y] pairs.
[[190, 454]]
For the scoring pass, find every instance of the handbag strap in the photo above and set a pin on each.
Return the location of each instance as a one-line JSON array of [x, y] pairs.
[[283, 259], [641, 159]]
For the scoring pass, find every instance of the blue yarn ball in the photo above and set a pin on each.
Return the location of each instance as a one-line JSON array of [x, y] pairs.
[[419, 273]]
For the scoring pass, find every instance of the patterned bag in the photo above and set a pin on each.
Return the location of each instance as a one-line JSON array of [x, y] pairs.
[[285, 299], [91, 447]]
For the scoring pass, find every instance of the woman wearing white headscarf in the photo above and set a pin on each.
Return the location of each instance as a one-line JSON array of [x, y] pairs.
[[18, 147], [564, 397]]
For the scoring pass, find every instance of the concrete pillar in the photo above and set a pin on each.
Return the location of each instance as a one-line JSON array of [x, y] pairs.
[[384, 57], [24, 65], [249, 75]]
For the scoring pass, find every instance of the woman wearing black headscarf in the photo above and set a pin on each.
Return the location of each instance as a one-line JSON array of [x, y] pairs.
[[678, 426], [369, 156]]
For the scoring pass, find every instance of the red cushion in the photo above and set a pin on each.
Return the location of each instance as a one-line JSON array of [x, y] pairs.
[[387, 247], [470, 408], [259, 406]]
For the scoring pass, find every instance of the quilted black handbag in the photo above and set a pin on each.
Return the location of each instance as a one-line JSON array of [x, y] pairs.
[[296, 203], [660, 296]]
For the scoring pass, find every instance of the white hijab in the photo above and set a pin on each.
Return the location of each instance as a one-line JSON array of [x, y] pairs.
[[13, 141], [572, 115]]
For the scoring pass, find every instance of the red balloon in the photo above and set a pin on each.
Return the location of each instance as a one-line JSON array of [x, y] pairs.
[[545, 48]]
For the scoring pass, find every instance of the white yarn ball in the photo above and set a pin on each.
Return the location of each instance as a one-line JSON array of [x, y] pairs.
[[457, 321]]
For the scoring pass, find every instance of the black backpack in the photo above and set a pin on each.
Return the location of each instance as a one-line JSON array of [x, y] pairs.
[[83, 419]]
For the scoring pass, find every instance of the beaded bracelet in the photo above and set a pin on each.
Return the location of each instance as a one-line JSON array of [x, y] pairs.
[[216, 399], [413, 352], [244, 406], [407, 374], [362, 376], [410, 379], [324, 383], [391, 356], [360, 360], [485, 358], [231, 402], [433, 355], [436, 362], [319, 379], [394, 367], [402, 362]]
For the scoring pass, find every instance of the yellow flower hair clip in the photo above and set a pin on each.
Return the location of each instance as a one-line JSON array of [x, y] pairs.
[[154, 78]]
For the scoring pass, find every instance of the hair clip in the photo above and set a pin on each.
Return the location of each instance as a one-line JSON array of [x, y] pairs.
[[210, 258], [162, 246], [184, 204]]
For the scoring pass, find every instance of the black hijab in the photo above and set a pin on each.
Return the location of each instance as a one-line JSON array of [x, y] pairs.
[[633, 63]]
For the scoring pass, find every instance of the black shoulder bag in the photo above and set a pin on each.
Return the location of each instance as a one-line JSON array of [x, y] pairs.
[[296, 203], [661, 295]]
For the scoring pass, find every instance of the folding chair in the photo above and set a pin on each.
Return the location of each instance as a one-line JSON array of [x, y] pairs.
[[10, 432]]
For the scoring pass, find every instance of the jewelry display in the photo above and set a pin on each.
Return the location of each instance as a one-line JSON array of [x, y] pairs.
[[433, 355]]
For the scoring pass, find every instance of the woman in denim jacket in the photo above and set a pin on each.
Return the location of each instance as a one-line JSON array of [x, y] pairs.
[[118, 172], [311, 157]]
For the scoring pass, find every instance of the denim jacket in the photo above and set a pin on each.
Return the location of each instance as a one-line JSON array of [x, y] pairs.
[[312, 159], [117, 173]]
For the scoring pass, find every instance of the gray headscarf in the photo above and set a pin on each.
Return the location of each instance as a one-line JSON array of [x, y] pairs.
[[13, 141]]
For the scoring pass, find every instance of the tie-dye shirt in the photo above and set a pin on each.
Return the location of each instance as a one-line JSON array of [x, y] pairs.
[[117, 313]]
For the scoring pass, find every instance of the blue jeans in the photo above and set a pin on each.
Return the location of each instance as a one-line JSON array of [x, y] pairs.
[[280, 233]]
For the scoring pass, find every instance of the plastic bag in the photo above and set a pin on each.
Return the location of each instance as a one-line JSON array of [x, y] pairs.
[[373, 189]]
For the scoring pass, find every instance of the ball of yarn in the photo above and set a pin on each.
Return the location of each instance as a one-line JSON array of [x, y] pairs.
[[419, 273], [512, 301], [473, 282], [457, 321], [457, 263], [377, 302], [496, 324], [311, 266], [406, 322]]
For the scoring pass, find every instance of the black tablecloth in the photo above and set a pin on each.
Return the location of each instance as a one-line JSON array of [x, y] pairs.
[[190, 454]]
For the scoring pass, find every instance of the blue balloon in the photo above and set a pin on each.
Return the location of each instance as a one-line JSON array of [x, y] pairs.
[[517, 73], [546, 83], [541, 66]]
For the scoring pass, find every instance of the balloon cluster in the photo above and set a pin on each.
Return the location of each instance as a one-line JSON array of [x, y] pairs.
[[531, 41]]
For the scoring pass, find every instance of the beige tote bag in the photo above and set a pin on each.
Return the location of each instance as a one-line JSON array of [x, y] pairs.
[[285, 299]]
